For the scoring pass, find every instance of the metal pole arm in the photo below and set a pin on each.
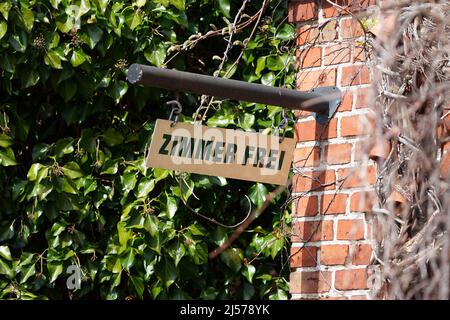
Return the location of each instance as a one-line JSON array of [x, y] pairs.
[[323, 102]]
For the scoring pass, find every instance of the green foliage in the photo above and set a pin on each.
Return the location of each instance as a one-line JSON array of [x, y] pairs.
[[73, 185]]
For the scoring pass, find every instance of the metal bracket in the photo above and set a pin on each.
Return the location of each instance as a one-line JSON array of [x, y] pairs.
[[333, 95]]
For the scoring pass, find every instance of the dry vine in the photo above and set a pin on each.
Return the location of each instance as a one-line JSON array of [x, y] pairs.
[[410, 100]]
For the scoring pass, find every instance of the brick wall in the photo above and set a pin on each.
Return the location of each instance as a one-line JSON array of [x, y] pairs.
[[331, 234]]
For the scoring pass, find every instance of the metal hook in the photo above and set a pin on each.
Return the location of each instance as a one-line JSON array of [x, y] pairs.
[[283, 124], [176, 110]]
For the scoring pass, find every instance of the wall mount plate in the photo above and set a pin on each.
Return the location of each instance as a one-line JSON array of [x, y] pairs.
[[335, 96]]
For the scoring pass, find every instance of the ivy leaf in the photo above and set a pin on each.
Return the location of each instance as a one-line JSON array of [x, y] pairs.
[[27, 17], [171, 206], [286, 32], [198, 253], [248, 272], [78, 57], [275, 63], [3, 28], [258, 194], [72, 170], [30, 78], [52, 59], [278, 295], [6, 269], [95, 35], [55, 3], [140, 3], [5, 253], [19, 41], [145, 187], [260, 65], [40, 150], [179, 4], [112, 137], [177, 252], [54, 270], [232, 258], [134, 18], [117, 90], [224, 6], [27, 273], [268, 79], [169, 272], [89, 186], [110, 167], [124, 234], [5, 141], [156, 54], [127, 259], [103, 4], [4, 9], [68, 90], [276, 246], [138, 285], [221, 120], [37, 172], [64, 146], [247, 121], [7, 158], [129, 181]]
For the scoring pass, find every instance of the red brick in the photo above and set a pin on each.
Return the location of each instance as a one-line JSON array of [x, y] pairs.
[[309, 79], [349, 6], [301, 114], [332, 298], [351, 279], [310, 57], [362, 97], [306, 206], [361, 201], [312, 130], [336, 54], [358, 297], [351, 28], [337, 153], [346, 102], [303, 257], [362, 149], [333, 203], [314, 181], [328, 31], [362, 254], [306, 157], [307, 34], [333, 255], [360, 53], [314, 34], [350, 229], [310, 282], [355, 75], [312, 231], [302, 10], [356, 125], [357, 177]]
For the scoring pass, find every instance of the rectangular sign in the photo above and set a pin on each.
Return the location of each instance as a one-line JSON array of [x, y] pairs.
[[221, 152]]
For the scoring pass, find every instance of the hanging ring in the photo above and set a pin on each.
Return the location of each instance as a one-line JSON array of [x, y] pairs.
[[176, 110]]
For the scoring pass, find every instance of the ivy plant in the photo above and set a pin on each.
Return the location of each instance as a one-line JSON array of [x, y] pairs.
[[74, 189]]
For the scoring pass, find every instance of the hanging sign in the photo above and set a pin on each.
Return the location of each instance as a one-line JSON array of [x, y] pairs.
[[221, 152]]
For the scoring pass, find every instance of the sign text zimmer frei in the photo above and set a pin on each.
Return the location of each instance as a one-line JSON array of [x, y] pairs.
[[220, 152]]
